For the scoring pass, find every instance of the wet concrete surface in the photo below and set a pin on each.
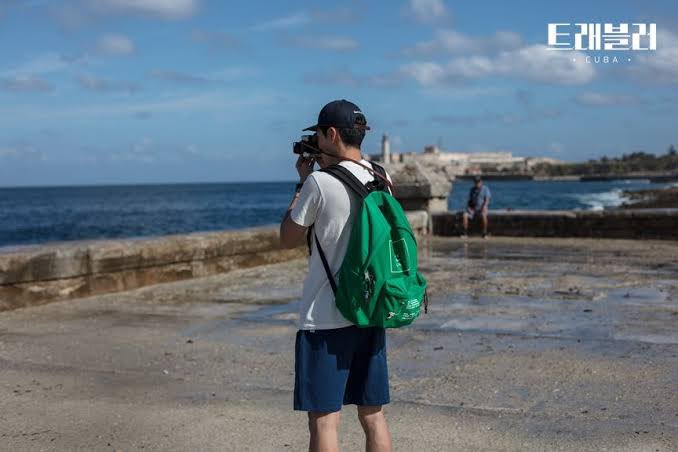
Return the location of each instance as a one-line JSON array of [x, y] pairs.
[[529, 344]]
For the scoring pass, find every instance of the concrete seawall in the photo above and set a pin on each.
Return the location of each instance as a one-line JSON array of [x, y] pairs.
[[659, 224], [37, 274], [31, 275]]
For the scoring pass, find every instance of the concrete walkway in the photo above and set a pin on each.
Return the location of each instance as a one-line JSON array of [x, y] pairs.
[[528, 345]]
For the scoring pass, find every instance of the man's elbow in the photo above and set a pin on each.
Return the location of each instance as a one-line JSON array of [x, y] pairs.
[[288, 240], [285, 245], [284, 241]]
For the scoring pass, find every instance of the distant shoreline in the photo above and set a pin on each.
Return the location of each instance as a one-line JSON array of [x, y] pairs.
[[652, 177]]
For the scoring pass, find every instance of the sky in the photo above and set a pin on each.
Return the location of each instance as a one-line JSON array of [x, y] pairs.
[[155, 91]]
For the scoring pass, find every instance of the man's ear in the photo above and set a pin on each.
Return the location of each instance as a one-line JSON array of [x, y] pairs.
[[333, 135]]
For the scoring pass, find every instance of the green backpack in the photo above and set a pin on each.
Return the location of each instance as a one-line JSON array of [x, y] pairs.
[[378, 282]]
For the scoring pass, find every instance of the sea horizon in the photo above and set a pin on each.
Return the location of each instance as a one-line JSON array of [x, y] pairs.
[[137, 184], [43, 214]]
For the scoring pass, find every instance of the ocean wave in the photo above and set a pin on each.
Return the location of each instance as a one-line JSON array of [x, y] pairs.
[[602, 201]]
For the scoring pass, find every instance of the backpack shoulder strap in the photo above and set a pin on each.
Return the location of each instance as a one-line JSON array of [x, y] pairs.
[[353, 184], [381, 183], [348, 179], [328, 272]]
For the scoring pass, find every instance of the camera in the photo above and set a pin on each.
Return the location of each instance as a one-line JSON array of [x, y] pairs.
[[307, 146]]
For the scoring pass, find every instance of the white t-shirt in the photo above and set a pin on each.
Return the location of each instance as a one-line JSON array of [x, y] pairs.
[[325, 202]]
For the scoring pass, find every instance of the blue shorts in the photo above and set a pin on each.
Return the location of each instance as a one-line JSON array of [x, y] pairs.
[[340, 367]]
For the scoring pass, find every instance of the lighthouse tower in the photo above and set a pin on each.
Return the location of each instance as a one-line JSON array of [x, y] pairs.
[[385, 149]]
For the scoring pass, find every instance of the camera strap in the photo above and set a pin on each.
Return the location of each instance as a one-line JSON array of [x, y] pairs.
[[375, 172]]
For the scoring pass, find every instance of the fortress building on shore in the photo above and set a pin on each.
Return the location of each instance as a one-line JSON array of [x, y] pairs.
[[454, 164]]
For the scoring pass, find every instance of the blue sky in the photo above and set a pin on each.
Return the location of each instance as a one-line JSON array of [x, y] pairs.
[[145, 91]]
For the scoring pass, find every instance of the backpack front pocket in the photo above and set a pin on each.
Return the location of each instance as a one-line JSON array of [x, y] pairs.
[[400, 301]]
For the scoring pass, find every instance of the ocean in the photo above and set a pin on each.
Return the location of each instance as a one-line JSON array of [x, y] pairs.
[[32, 215]]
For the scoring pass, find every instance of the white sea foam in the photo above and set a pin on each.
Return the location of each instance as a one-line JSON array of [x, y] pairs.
[[601, 201]]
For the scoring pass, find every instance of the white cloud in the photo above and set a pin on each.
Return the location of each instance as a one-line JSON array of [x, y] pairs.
[[72, 14], [661, 65], [204, 102], [534, 63], [115, 44], [450, 41], [345, 76], [335, 43], [25, 83], [595, 99], [488, 117], [45, 63], [164, 9], [426, 73], [281, 23], [428, 10], [299, 18], [181, 77], [538, 63], [465, 91], [147, 150], [93, 83], [218, 77]]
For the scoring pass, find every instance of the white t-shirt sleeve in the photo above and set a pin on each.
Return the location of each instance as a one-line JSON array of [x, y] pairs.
[[305, 210]]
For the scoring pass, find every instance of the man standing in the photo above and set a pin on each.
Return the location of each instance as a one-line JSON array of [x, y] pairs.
[[478, 202], [336, 363]]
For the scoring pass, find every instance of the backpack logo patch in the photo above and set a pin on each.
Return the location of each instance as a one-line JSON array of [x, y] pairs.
[[399, 253], [412, 304]]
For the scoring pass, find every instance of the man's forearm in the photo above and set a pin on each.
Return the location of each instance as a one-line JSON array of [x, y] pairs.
[[293, 203], [286, 219]]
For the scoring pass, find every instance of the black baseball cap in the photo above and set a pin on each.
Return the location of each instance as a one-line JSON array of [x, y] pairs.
[[341, 114]]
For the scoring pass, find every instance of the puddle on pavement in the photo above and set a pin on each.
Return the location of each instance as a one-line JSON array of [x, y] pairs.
[[610, 317], [648, 338], [487, 250], [273, 315], [267, 320], [641, 296]]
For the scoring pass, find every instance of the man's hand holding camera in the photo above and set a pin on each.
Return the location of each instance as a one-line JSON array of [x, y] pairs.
[[304, 167], [307, 149]]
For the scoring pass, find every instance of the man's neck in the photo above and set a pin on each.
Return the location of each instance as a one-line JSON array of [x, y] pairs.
[[347, 153], [352, 153]]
